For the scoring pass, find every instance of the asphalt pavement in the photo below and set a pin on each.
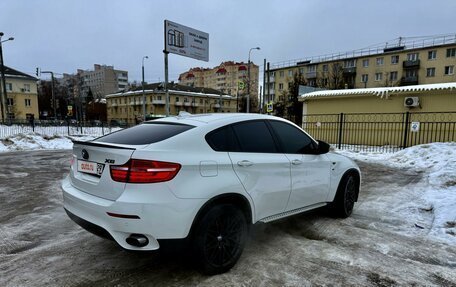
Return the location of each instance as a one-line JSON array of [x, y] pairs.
[[41, 246]]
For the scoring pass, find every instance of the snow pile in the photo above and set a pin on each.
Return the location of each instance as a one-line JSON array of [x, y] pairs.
[[437, 161], [35, 141]]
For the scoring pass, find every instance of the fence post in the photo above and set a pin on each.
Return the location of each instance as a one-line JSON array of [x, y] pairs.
[[406, 124], [68, 124], [102, 128], [341, 125]]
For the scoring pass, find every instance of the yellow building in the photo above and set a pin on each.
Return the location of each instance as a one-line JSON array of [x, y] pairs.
[[22, 97], [426, 60], [229, 77], [128, 106], [382, 116]]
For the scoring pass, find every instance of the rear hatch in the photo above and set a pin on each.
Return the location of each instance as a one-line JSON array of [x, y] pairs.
[[90, 169]]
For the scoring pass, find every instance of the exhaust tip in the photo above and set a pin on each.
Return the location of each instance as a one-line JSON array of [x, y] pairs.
[[137, 240]]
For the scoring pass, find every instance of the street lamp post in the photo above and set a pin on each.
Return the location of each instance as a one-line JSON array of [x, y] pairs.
[[4, 104], [143, 94], [248, 82]]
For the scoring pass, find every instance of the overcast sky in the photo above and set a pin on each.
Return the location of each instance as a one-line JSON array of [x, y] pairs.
[[63, 36]]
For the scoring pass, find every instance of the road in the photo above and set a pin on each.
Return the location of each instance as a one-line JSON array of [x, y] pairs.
[[41, 246]]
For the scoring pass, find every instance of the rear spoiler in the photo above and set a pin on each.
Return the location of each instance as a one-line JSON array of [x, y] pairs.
[[91, 143]]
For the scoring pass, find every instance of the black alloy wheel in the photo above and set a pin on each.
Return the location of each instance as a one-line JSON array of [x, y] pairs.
[[220, 238], [346, 196]]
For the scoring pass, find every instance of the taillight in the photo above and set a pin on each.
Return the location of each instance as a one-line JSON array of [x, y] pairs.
[[144, 171]]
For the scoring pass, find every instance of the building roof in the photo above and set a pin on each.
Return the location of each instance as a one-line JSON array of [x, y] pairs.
[[383, 92], [12, 73], [172, 88]]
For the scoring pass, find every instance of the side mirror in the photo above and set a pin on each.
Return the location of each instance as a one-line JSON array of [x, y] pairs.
[[323, 147]]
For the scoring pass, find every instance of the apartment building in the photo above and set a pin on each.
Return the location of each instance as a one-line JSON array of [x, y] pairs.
[[426, 60], [103, 80], [229, 77], [22, 97], [128, 106]]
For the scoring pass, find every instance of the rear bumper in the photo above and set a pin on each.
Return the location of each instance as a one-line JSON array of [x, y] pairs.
[[159, 214], [92, 228]]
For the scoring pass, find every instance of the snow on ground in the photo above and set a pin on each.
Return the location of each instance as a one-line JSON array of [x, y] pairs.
[[35, 141], [437, 162]]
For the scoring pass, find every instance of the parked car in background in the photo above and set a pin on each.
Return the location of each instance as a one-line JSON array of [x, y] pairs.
[[206, 178]]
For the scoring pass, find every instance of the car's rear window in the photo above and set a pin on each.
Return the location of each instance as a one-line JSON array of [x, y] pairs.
[[146, 133]]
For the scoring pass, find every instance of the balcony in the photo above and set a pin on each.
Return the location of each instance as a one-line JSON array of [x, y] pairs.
[[158, 102], [407, 81], [138, 103], [411, 64], [179, 104], [187, 104], [311, 75], [350, 71], [271, 79], [195, 104]]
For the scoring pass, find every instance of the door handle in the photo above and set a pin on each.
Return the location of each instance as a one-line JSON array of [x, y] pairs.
[[296, 162], [245, 163]]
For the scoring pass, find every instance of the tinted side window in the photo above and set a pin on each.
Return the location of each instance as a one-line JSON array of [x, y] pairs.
[[146, 133], [222, 139], [291, 139], [254, 136]]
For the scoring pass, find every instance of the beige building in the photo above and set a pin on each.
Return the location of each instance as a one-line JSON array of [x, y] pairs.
[[22, 97], [128, 106], [419, 61], [229, 77]]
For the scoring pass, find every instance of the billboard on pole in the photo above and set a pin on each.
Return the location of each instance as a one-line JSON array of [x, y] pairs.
[[186, 41]]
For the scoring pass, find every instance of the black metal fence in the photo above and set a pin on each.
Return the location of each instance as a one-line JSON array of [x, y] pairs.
[[385, 132], [57, 128]]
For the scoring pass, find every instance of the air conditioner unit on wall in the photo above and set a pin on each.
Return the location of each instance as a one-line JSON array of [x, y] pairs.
[[411, 102]]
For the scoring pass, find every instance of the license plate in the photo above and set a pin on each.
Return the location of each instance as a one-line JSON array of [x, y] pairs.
[[90, 167]]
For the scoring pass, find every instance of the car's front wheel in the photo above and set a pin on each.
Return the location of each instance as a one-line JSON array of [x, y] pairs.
[[220, 238], [346, 196]]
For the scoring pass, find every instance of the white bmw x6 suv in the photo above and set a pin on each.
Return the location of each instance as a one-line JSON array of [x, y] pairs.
[[206, 178]]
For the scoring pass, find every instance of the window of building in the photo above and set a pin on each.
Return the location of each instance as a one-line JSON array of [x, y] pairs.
[[394, 59], [301, 70], [290, 73], [325, 68], [378, 76], [366, 63], [26, 87], [449, 70], [364, 78], [411, 73], [412, 56], [201, 101], [312, 68], [379, 61], [10, 101], [27, 102], [177, 99], [393, 76], [280, 86], [9, 87], [430, 72], [451, 53], [159, 98], [290, 84], [432, 55], [349, 63], [185, 100], [282, 74]]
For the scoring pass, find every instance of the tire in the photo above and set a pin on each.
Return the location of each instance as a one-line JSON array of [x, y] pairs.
[[220, 238], [346, 196]]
